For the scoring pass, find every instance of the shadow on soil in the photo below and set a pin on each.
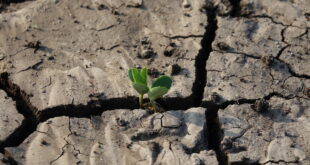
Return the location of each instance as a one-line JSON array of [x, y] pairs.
[[33, 116]]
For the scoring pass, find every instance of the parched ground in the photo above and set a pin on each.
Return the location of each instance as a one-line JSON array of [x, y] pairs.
[[240, 70]]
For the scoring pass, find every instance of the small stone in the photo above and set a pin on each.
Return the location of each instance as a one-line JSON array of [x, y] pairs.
[[1, 57], [134, 3], [171, 120]]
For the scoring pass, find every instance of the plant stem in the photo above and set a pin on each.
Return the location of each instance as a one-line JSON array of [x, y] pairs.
[[141, 100], [154, 104]]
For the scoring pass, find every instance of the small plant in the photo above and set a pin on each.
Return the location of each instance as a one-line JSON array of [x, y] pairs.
[[160, 86], [34, 25], [139, 82]]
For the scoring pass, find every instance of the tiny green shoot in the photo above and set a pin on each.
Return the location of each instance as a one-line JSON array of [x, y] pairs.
[[160, 86], [138, 79], [34, 25]]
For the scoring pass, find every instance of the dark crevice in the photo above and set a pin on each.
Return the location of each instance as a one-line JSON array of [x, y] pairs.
[[27, 127], [244, 101], [33, 116], [12, 1], [268, 17], [280, 161], [290, 70], [93, 108], [283, 40], [96, 108], [293, 73], [202, 57], [288, 66], [29, 123], [215, 133], [281, 51], [245, 162], [237, 12], [8, 160], [239, 53], [236, 9], [176, 103], [22, 99], [283, 35], [60, 155], [182, 37], [213, 129], [5, 3]]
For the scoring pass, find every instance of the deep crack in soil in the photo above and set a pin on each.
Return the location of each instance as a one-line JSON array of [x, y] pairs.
[[5, 3], [202, 57], [96, 107], [213, 127], [214, 131], [29, 124], [236, 10]]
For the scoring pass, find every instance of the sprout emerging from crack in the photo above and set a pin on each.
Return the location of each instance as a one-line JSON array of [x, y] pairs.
[[160, 86], [139, 82]]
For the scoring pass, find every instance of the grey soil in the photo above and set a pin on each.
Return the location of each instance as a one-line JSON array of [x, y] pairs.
[[240, 70]]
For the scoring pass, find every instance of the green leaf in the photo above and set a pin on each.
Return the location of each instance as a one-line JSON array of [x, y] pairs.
[[140, 88], [157, 92], [136, 76], [162, 81], [143, 74], [130, 75]]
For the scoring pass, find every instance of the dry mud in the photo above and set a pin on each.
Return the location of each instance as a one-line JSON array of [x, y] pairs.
[[65, 97], [10, 119]]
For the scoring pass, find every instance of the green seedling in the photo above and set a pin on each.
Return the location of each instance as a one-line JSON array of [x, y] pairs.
[[160, 86], [34, 25], [138, 79]]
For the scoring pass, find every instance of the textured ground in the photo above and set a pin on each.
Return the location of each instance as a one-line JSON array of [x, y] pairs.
[[65, 97], [10, 119]]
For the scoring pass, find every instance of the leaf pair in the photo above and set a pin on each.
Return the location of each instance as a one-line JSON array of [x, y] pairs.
[[159, 87]]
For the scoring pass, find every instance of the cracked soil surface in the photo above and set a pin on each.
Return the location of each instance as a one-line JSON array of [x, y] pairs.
[[240, 70]]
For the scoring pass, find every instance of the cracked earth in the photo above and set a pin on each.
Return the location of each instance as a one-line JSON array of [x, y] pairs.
[[240, 70]]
